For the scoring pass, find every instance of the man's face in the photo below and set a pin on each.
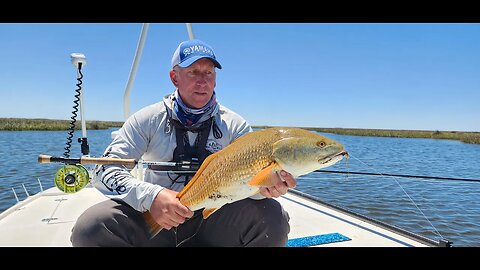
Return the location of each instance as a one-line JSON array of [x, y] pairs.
[[195, 83]]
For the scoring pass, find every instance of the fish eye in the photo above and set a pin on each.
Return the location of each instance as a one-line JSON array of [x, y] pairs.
[[321, 144]]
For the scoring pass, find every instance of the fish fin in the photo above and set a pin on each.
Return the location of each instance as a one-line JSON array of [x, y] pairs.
[[197, 174], [266, 177], [153, 227], [208, 211]]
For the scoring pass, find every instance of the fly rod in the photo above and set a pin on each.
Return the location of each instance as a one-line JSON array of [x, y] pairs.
[[193, 166], [73, 176], [113, 161], [400, 175]]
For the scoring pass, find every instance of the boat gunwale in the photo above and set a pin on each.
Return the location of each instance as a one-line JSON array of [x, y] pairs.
[[392, 228]]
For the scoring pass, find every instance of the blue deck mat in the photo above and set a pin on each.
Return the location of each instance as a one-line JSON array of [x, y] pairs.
[[316, 240]]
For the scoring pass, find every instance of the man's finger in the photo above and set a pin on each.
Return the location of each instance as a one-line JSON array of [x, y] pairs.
[[184, 211], [288, 179], [265, 192], [275, 193], [282, 188]]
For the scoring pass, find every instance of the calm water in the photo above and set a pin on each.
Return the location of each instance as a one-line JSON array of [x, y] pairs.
[[452, 207]]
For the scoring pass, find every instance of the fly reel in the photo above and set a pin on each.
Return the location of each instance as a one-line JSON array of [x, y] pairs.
[[71, 178]]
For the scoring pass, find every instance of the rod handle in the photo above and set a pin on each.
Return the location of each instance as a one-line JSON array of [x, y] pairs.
[[44, 159], [118, 161], [87, 160]]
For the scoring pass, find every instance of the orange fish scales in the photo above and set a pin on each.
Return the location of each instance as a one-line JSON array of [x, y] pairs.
[[239, 161]]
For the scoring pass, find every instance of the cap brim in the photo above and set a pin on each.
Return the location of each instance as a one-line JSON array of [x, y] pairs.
[[191, 60]]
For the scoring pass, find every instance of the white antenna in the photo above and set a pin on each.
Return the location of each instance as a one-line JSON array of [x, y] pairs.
[[79, 60], [190, 31], [133, 71], [76, 59]]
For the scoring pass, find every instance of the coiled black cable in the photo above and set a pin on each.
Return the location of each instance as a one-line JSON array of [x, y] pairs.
[[74, 112]]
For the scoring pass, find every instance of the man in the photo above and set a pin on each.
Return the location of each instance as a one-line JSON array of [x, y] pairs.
[[187, 125]]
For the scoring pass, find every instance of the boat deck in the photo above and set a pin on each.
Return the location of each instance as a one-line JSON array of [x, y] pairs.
[[47, 219]]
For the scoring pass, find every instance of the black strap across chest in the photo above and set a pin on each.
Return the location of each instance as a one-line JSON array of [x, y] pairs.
[[196, 153], [184, 152]]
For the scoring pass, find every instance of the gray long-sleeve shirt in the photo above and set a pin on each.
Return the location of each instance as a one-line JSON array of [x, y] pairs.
[[144, 136]]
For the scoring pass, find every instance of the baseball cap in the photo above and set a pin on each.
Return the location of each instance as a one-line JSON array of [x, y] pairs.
[[190, 51]]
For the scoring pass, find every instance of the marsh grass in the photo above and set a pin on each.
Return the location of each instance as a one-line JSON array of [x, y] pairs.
[[18, 124], [466, 137]]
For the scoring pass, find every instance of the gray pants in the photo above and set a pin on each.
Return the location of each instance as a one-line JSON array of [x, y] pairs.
[[261, 223]]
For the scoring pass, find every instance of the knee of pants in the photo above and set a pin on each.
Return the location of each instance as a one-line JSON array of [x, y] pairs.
[[273, 220], [83, 230], [93, 226]]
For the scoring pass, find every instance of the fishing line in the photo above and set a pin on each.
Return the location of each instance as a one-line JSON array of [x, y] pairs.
[[346, 166], [404, 191], [400, 175], [188, 238]]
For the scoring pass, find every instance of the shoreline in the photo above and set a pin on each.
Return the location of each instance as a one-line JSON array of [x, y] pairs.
[[470, 137], [31, 124], [42, 124]]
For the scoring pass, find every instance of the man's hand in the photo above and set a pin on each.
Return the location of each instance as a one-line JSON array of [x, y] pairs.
[[167, 210], [285, 182]]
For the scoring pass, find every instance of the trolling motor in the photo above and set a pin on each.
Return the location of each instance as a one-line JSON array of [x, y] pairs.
[[72, 177]]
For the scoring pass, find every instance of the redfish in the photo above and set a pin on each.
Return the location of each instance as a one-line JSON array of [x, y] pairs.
[[252, 161]]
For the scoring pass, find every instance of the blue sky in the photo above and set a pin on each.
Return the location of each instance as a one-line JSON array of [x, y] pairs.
[[351, 75]]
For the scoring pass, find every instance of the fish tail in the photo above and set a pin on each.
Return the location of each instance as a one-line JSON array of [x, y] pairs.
[[153, 227]]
